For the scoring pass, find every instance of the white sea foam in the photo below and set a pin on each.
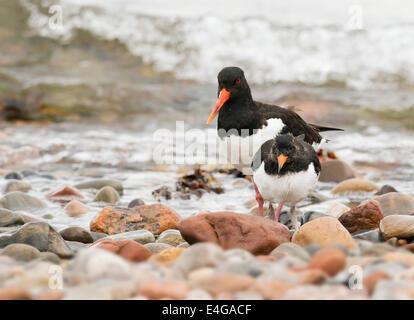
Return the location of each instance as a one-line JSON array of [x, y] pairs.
[[313, 42]]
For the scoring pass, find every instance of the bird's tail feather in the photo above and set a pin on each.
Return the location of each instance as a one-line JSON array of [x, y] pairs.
[[323, 128]]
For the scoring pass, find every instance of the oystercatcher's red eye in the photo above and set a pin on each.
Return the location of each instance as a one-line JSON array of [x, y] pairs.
[[237, 81]]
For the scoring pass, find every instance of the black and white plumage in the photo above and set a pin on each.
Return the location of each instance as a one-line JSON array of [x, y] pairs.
[[285, 170], [244, 124]]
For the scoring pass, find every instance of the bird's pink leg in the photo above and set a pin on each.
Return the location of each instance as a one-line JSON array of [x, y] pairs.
[[259, 200], [279, 210]]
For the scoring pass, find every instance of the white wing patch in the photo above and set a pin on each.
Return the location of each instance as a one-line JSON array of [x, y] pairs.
[[239, 151]]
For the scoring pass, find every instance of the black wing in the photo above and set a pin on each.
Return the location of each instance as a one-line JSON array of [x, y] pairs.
[[294, 123], [311, 154]]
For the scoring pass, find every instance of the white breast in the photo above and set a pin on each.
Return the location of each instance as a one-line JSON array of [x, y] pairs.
[[239, 151], [290, 188]]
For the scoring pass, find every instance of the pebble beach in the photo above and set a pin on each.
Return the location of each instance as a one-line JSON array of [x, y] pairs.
[[87, 212]]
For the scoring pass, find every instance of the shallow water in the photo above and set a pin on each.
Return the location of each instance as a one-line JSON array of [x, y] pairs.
[[78, 152], [135, 67]]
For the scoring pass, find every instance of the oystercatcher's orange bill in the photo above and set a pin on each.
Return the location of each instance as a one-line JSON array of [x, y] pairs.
[[281, 159], [223, 97]]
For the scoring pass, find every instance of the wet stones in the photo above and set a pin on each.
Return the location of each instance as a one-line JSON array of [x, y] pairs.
[[100, 183], [39, 235]]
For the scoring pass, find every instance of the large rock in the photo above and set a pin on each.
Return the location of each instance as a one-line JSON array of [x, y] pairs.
[[9, 218], [396, 203], [365, 217], [335, 171], [355, 185], [17, 200], [100, 183], [127, 249], [232, 230], [41, 236], [400, 226], [324, 231], [155, 218]]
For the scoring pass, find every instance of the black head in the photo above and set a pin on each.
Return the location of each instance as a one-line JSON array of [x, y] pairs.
[[233, 80], [232, 86], [284, 149]]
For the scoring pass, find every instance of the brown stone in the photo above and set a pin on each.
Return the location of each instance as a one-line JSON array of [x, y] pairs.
[[365, 217], [330, 260], [335, 171], [371, 281], [164, 290], [64, 195], [155, 218], [14, 294], [233, 230], [75, 208], [168, 255], [396, 203], [127, 249]]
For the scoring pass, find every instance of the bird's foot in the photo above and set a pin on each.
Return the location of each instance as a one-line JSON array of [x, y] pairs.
[[279, 210]]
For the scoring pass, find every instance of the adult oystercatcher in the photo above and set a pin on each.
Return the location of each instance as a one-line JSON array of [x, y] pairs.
[[244, 124], [285, 169]]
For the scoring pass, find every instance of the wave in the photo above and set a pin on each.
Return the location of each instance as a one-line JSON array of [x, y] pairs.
[[273, 43]]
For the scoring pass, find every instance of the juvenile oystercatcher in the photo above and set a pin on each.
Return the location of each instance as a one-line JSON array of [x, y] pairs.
[[285, 169], [244, 124]]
